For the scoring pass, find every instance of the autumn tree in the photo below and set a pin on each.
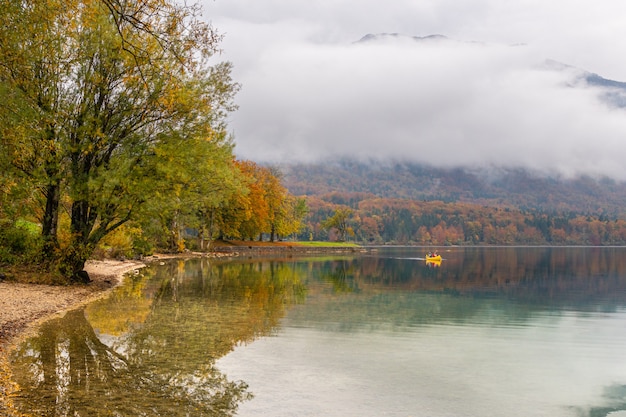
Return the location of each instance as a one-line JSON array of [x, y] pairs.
[[266, 207], [106, 93], [284, 212], [296, 210], [257, 208], [435, 222], [340, 222], [276, 196]]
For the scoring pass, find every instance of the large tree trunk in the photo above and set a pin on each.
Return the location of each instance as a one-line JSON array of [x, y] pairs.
[[72, 262], [50, 221], [83, 220], [87, 228], [73, 259], [52, 192]]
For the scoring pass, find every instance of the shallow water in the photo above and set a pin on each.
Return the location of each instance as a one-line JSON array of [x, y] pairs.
[[490, 331]]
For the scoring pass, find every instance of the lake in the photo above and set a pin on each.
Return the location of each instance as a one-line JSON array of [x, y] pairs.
[[486, 332]]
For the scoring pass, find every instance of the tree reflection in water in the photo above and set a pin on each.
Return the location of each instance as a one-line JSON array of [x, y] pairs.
[[163, 366], [72, 373]]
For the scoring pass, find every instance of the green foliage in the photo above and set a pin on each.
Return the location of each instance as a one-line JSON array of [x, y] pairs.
[[19, 241], [127, 241], [340, 222], [109, 104], [113, 114], [196, 175]]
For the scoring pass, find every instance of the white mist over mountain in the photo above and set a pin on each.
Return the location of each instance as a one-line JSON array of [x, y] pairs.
[[309, 93]]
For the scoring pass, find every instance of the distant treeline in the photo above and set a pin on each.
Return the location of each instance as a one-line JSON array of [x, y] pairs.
[[377, 220]]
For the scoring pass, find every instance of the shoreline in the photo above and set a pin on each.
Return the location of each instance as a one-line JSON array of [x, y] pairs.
[[24, 307]]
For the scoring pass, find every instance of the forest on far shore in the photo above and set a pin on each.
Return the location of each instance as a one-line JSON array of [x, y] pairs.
[[409, 203], [374, 220]]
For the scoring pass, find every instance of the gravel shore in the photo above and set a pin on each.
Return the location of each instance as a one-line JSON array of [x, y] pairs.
[[24, 305]]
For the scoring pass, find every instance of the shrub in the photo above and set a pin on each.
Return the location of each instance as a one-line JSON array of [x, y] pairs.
[[20, 241], [126, 241]]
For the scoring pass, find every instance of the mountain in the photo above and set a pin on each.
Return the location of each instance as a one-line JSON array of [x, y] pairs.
[[612, 92], [494, 202], [489, 186], [494, 187], [370, 37]]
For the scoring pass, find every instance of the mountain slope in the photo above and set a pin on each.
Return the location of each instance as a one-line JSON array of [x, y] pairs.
[[496, 187], [492, 186], [489, 186]]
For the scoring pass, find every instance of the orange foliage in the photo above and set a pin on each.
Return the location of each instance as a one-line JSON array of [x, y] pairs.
[[404, 221]]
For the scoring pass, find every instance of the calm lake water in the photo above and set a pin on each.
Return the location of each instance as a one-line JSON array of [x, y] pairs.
[[487, 332]]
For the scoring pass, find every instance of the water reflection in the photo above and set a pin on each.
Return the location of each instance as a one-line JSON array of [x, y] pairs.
[[72, 373], [581, 278], [388, 331], [492, 331], [150, 349], [615, 395]]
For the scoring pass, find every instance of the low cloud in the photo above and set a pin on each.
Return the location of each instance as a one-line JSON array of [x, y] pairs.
[[308, 94], [442, 102]]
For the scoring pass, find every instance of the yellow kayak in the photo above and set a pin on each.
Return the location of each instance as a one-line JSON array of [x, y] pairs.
[[433, 258], [433, 263]]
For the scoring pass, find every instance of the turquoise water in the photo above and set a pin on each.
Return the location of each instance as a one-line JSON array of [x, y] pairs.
[[488, 332]]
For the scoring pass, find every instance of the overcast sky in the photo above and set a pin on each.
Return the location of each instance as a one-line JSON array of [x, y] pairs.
[[483, 97]]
